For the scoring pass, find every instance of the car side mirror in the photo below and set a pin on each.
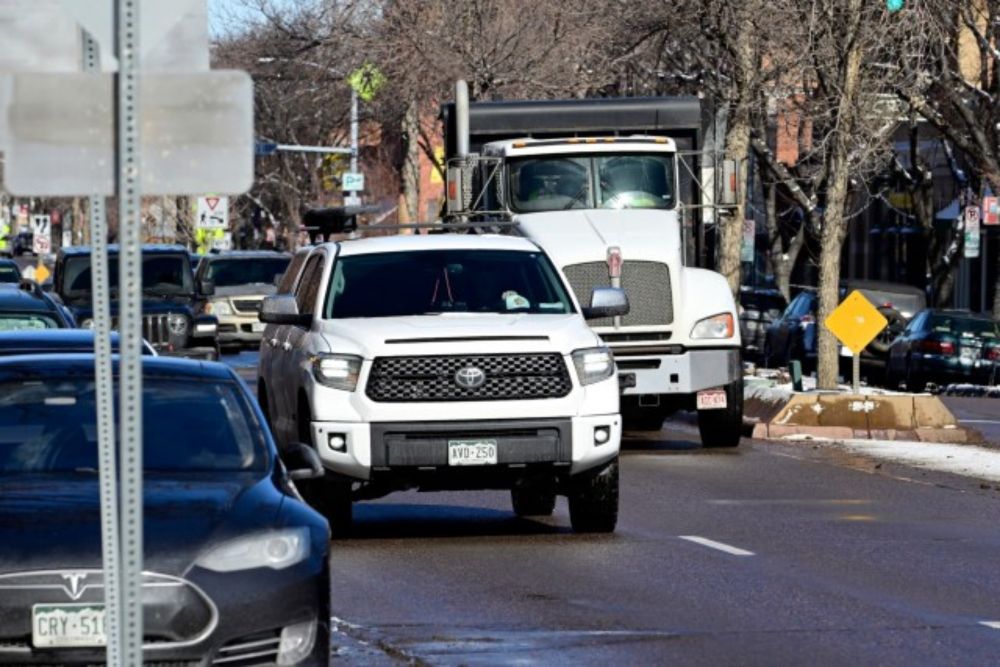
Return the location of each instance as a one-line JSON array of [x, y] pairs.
[[282, 309], [606, 302], [206, 287], [303, 462]]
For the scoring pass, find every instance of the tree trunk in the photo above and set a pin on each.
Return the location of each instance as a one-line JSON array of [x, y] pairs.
[[738, 149], [411, 162], [996, 290]]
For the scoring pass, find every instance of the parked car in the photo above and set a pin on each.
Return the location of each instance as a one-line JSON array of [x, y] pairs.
[[944, 346], [172, 301], [445, 361], [10, 272], [235, 567], [242, 279], [794, 334], [56, 341], [759, 307], [26, 306]]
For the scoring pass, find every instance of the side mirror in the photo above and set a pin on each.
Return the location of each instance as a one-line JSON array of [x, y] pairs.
[[282, 309], [303, 462], [206, 287], [606, 302]]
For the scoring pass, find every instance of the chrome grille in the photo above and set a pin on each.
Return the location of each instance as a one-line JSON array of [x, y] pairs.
[[258, 649], [155, 328], [646, 283], [508, 377], [247, 305]]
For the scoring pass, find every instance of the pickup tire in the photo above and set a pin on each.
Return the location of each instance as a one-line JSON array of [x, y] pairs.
[[723, 428], [593, 500], [533, 498]]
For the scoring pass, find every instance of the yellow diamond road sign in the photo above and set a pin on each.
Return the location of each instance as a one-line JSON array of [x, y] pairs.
[[856, 322]]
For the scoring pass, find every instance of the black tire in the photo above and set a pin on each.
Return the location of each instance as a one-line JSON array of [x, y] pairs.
[[533, 498], [593, 500], [915, 382], [723, 428]]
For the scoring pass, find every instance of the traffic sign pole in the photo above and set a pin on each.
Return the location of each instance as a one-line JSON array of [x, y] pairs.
[[856, 371]]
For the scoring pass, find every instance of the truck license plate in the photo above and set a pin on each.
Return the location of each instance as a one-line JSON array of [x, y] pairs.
[[67, 625], [472, 452], [712, 399]]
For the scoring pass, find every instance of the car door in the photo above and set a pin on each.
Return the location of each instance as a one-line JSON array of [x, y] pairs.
[[286, 354], [782, 330]]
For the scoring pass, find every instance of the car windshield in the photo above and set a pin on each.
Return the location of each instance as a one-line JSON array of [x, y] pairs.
[[9, 274], [965, 327], [163, 274], [439, 281], [27, 321], [907, 304], [616, 181], [246, 271], [48, 426]]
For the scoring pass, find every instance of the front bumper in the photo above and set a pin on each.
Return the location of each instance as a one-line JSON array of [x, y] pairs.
[[394, 448], [240, 330], [685, 373], [946, 370]]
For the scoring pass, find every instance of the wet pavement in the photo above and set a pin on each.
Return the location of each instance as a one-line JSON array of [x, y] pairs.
[[774, 553]]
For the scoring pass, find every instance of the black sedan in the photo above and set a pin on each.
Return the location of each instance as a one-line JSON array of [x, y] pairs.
[[945, 346], [235, 566]]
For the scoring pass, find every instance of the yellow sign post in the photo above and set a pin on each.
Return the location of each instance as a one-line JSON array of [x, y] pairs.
[[856, 323]]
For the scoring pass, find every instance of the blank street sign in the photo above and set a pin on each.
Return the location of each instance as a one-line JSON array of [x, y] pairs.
[[197, 134]]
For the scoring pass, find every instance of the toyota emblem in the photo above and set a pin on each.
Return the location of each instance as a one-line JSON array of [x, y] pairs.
[[470, 377]]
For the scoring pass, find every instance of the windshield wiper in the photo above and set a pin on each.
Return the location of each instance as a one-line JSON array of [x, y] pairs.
[[576, 197]]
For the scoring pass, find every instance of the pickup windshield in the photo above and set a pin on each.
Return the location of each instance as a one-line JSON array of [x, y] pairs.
[[616, 181], [431, 282], [162, 274]]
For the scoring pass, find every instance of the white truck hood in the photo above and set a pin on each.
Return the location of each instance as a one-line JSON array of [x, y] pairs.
[[458, 333], [575, 236]]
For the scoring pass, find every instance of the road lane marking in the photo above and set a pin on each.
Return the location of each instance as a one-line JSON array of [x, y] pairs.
[[712, 544], [991, 624]]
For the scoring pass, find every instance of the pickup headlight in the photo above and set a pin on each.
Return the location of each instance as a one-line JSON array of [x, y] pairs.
[[218, 308], [276, 550], [340, 371], [593, 364], [717, 326]]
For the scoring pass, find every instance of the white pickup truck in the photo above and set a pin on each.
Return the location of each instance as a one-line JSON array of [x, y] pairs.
[[606, 210], [445, 361]]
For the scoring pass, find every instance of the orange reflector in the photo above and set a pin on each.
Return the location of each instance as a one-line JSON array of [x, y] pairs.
[[591, 140], [452, 190], [609, 140], [573, 141], [519, 144], [660, 140]]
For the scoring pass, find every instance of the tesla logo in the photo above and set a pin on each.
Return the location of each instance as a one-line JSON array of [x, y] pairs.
[[470, 377], [73, 579]]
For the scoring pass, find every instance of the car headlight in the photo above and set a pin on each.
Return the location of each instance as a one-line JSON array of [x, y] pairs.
[[340, 371], [178, 323], [218, 308], [87, 323], [593, 364], [717, 326], [275, 550]]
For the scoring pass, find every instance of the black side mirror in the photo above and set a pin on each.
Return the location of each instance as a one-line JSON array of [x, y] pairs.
[[606, 302], [303, 462], [283, 309], [206, 287]]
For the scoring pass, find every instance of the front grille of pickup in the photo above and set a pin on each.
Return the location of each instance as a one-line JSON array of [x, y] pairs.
[[507, 378], [646, 283], [247, 305]]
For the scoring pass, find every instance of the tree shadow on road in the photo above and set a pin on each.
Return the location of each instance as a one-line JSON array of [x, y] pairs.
[[398, 520]]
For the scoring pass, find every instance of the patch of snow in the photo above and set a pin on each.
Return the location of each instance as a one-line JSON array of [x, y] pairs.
[[965, 460]]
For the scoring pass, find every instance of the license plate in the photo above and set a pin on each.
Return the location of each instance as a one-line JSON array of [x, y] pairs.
[[712, 399], [969, 354], [472, 452], [67, 625], [257, 327]]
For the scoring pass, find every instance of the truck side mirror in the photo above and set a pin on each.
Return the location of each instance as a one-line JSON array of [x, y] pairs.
[[606, 302], [206, 287], [282, 309]]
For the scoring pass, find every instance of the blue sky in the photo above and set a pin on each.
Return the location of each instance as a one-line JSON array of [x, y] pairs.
[[221, 12]]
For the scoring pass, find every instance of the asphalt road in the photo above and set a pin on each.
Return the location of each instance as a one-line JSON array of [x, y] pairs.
[[982, 414], [769, 554]]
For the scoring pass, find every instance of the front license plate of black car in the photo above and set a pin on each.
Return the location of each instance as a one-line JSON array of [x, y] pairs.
[[472, 452], [67, 625]]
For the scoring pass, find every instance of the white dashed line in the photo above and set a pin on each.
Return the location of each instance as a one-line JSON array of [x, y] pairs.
[[712, 544], [991, 624]]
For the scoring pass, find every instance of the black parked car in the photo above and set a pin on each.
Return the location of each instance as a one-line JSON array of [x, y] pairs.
[[172, 301], [794, 334], [236, 565], [945, 346], [759, 307], [25, 306]]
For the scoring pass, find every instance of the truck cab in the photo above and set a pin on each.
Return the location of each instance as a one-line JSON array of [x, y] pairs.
[[606, 208]]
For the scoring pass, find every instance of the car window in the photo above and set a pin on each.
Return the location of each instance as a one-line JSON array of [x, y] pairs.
[[162, 274], [48, 425], [287, 281], [305, 294], [800, 305], [440, 281], [917, 323], [28, 321], [245, 270], [964, 327], [906, 304], [9, 274]]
